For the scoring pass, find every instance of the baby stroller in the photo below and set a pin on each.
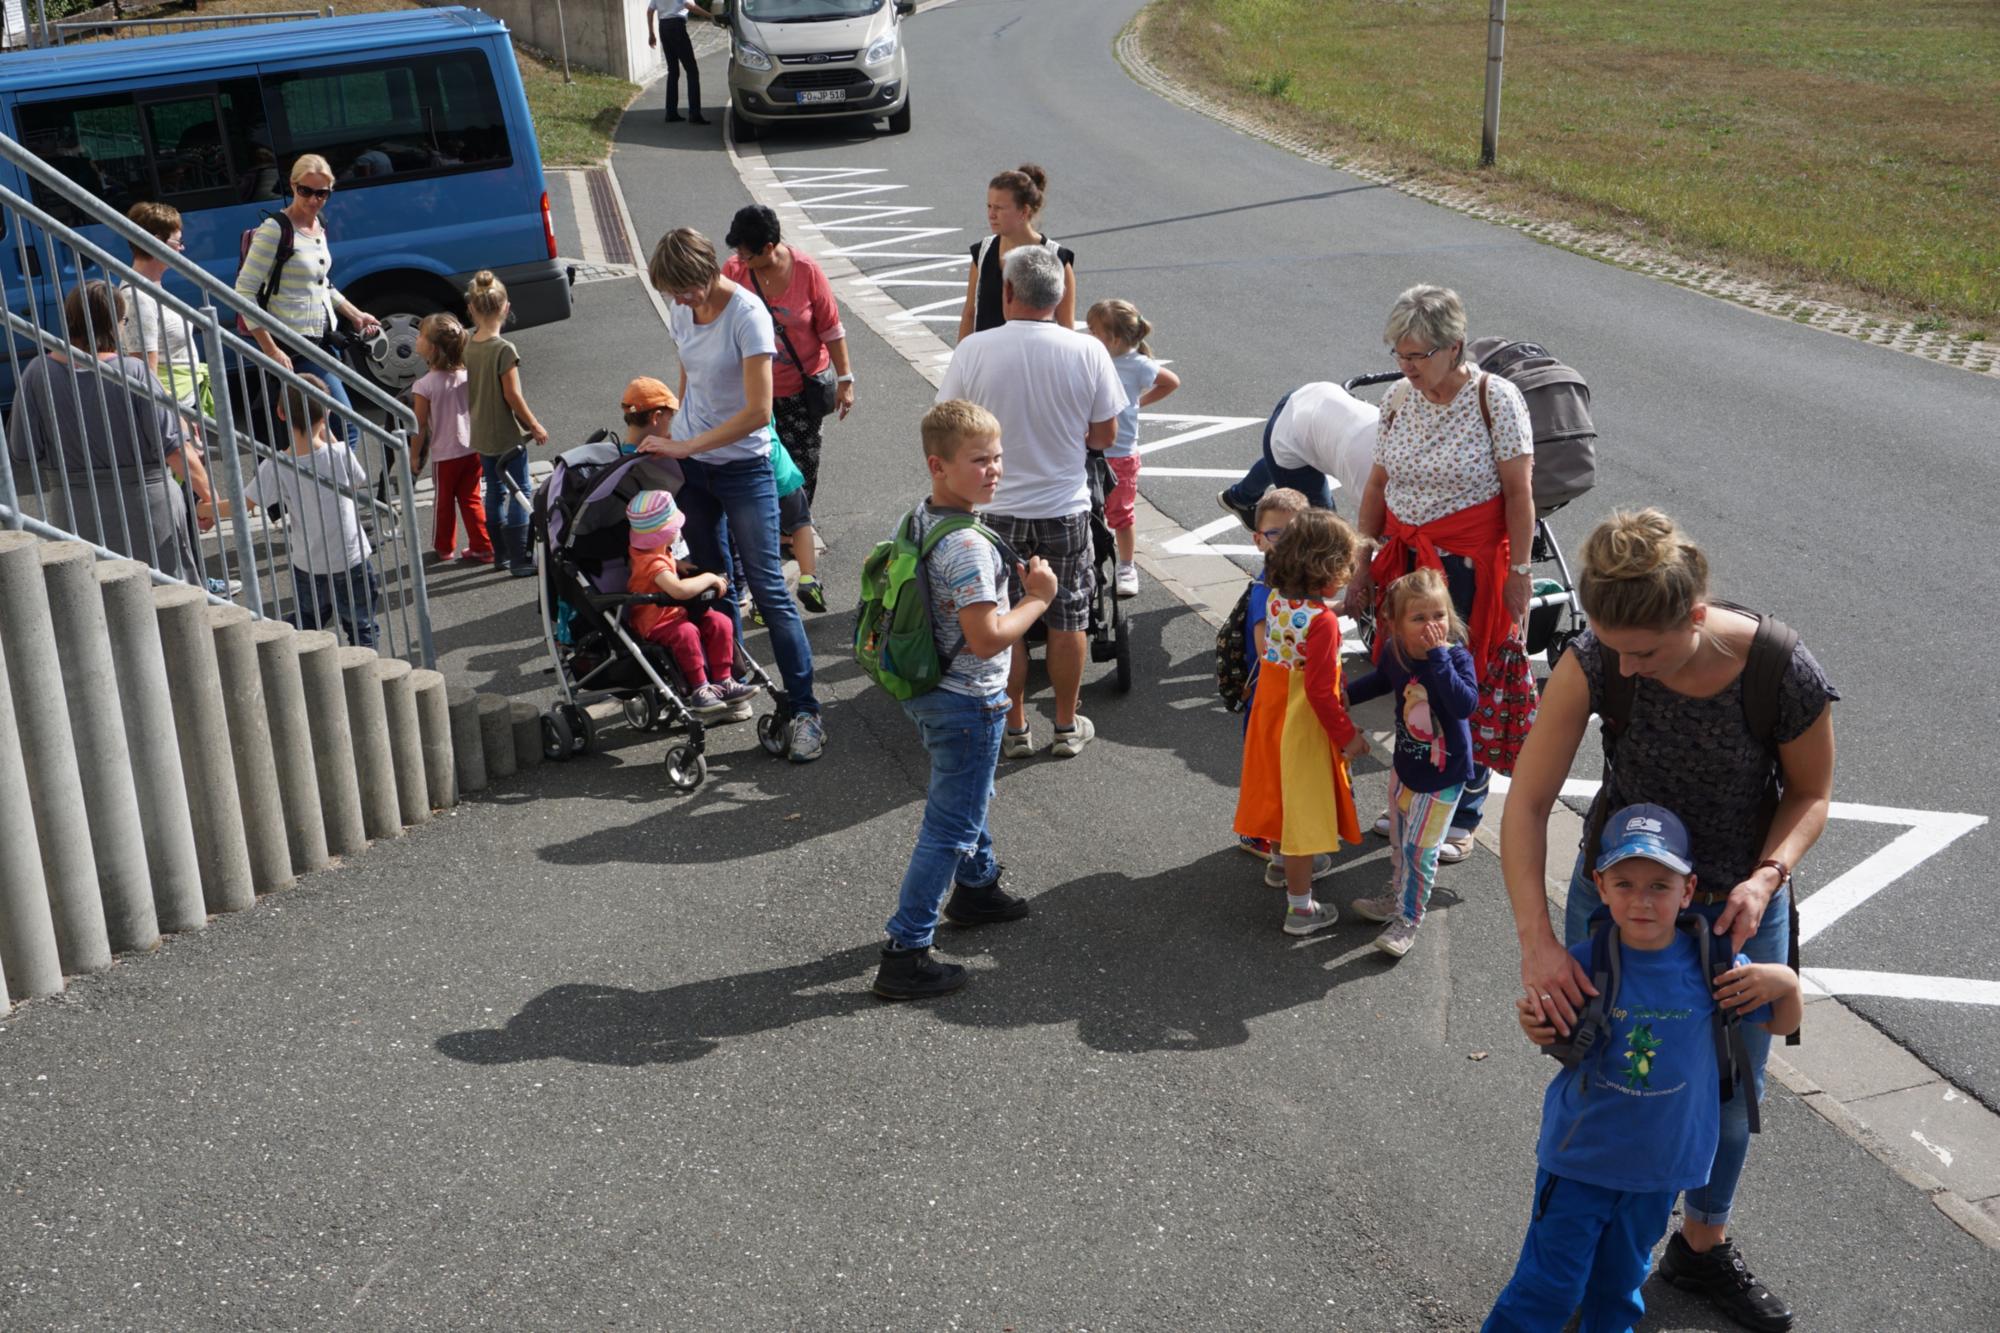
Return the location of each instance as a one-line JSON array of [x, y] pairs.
[[579, 535], [1110, 628], [1565, 467]]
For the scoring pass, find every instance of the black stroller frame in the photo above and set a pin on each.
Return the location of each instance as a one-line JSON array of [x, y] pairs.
[[583, 501], [1109, 628]]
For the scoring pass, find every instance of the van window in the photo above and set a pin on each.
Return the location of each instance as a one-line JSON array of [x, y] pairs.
[[194, 147], [404, 118]]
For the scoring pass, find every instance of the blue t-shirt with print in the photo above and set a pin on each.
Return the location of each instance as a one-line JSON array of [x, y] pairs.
[[1136, 374], [1653, 1110]]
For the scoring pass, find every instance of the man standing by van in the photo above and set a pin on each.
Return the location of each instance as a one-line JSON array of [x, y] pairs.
[[1057, 397], [671, 16]]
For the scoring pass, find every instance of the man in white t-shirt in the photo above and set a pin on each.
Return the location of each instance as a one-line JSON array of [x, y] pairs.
[[1057, 396], [1319, 432]]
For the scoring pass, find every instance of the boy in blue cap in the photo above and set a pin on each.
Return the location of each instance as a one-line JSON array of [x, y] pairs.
[[1632, 1118]]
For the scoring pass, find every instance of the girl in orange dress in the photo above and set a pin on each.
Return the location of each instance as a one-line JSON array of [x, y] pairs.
[[1295, 789]]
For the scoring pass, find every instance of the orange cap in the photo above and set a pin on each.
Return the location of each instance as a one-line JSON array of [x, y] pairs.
[[646, 393]]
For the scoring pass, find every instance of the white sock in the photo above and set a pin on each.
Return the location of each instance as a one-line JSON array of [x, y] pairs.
[[1300, 902]]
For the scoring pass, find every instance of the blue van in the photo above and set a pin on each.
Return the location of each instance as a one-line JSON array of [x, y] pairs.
[[421, 114]]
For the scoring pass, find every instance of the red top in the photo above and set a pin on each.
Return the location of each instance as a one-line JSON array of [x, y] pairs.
[[807, 313]]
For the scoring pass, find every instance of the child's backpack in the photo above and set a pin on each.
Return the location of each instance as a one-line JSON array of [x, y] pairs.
[[286, 245], [1593, 1025], [894, 640], [1233, 677]]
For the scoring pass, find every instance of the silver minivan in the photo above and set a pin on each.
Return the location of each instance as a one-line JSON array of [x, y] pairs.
[[816, 60]]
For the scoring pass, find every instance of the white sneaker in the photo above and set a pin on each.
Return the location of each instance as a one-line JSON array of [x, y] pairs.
[[1397, 937], [1312, 920], [1385, 908], [1127, 582], [1382, 825], [1017, 744], [1274, 873], [1455, 848], [1069, 744]]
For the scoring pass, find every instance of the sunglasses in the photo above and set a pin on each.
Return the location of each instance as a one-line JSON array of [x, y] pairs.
[[309, 192]]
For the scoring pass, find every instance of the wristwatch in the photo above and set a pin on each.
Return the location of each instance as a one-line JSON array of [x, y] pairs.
[[843, 379], [1525, 567]]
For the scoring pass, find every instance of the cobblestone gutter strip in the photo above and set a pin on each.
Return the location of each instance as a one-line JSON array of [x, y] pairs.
[[1765, 298]]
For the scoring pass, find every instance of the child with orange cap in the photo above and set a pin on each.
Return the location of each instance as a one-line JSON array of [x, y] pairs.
[[701, 640], [649, 408]]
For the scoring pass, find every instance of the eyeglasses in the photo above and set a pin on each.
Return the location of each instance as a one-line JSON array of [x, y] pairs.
[[1270, 534], [309, 192], [1414, 358]]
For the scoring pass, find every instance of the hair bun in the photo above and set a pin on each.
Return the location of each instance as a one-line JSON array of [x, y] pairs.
[[1035, 174]]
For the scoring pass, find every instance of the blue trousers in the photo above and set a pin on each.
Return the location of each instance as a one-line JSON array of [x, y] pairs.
[[954, 844], [1588, 1249], [1266, 473], [502, 509], [1771, 944], [349, 597]]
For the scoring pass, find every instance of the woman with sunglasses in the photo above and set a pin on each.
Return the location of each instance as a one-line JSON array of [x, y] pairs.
[[1452, 487], [304, 298]]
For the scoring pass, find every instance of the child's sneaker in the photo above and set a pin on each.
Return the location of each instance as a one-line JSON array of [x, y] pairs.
[[707, 702], [1455, 848], [737, 695], [1310, 920], [983, 906], [812, 594], [1274, 874], [1257, 847], [1018, 745], [1126, 584], [912, 974], [1382, 825], [1397, 937], [1385, 908]]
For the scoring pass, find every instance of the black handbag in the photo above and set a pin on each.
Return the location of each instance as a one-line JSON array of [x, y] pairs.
[[822, 391]]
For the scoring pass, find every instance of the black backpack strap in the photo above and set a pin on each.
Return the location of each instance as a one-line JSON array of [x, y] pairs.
[[1732, 1050], [287, 245]]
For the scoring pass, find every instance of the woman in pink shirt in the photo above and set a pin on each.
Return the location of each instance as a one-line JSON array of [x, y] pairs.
[[810, 339]]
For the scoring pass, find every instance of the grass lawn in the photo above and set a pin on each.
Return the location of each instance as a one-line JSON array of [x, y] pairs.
[[1847, 143], [574, 122]]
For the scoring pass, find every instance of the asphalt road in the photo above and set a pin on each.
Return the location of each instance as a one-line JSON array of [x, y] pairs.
[[583, 1055]]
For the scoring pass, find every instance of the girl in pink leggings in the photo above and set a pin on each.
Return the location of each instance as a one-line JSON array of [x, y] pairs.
[[701, 639]]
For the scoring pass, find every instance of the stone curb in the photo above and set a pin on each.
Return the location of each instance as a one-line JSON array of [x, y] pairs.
[[1710, 280]]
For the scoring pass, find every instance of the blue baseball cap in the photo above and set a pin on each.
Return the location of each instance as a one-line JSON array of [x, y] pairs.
[[1651, 831]]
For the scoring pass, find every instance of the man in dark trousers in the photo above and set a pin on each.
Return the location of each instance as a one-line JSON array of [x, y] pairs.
[[672, 17]]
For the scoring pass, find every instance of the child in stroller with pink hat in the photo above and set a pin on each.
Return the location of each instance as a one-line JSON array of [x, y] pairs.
[[698, 636]]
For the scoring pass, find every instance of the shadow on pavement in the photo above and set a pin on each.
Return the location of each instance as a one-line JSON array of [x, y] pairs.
[[1180, 961]]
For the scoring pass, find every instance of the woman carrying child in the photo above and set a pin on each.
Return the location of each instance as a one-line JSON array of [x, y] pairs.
[[1425, 668], [444, 433], [1295, 790], [498, 415], [701, 639], [1123, 331]]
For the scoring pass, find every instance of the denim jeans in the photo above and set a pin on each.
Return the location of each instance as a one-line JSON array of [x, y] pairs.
[[351, 597], [503, 511], [954, 844], [735, 505], [1771, 944], [1266, 473]]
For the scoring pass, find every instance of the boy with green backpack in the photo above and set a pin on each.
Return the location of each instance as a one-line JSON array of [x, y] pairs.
[[935, 630]]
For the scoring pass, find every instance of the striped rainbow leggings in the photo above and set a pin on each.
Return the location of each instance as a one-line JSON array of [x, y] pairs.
[[1418, 823]]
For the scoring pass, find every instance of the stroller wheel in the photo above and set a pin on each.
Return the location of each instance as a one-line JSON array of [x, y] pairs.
[[558, 741], [582, 730], [1124, 677], [686, 767], [771, 733], [642, 712]]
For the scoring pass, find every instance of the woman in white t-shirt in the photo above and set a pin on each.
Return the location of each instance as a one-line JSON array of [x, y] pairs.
[[1452, 487], [722, 439]]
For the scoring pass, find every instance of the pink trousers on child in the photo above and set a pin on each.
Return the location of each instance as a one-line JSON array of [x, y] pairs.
[[703, 646]]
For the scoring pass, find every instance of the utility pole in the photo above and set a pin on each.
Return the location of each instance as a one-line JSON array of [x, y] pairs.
[[562, 33], [1496, 41]]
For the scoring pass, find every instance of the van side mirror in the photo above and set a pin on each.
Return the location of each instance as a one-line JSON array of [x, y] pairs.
[[905, 8]]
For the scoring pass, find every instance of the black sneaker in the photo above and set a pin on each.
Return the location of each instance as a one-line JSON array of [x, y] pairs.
[[983, 906], [1730, 1287], [1244, 514], [812, 594], [912, 974]]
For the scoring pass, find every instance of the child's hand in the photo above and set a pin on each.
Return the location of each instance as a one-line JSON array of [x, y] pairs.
[[1038, 578], [718, 582], [1537, 1028], [1355, 748], [1433, 636], [1755, 984]]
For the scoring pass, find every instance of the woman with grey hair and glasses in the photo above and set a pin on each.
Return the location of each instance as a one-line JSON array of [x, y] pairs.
[[1453, 488]]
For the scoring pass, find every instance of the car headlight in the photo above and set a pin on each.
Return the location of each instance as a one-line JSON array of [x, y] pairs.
[[751, 58], [884, 49]]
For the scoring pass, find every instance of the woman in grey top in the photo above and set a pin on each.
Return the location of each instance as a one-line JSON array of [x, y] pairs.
[[99, 437]]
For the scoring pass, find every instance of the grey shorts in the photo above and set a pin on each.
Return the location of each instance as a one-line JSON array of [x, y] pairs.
[[794, 512], [1065, 544]]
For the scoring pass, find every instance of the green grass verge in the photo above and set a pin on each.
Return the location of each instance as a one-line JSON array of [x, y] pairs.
[[1845, 142]]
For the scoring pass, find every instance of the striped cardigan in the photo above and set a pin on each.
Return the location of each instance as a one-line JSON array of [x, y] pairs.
[[304, 288]]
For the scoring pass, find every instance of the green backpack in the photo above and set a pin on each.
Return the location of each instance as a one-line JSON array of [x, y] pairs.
[[894, 640]]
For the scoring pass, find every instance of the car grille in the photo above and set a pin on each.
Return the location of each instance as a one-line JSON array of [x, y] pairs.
[[819, 58], [803, 80]]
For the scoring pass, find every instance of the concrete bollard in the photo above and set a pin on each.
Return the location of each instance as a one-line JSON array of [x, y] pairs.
[[406, 741], [468, 751], [368, 724], [103, 761], [332, 742], [496, 736], [527, 734], [250, 747], [277, 647], [434, 725], [30, 966], [126, 589], [201, 725], [62, 821]]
